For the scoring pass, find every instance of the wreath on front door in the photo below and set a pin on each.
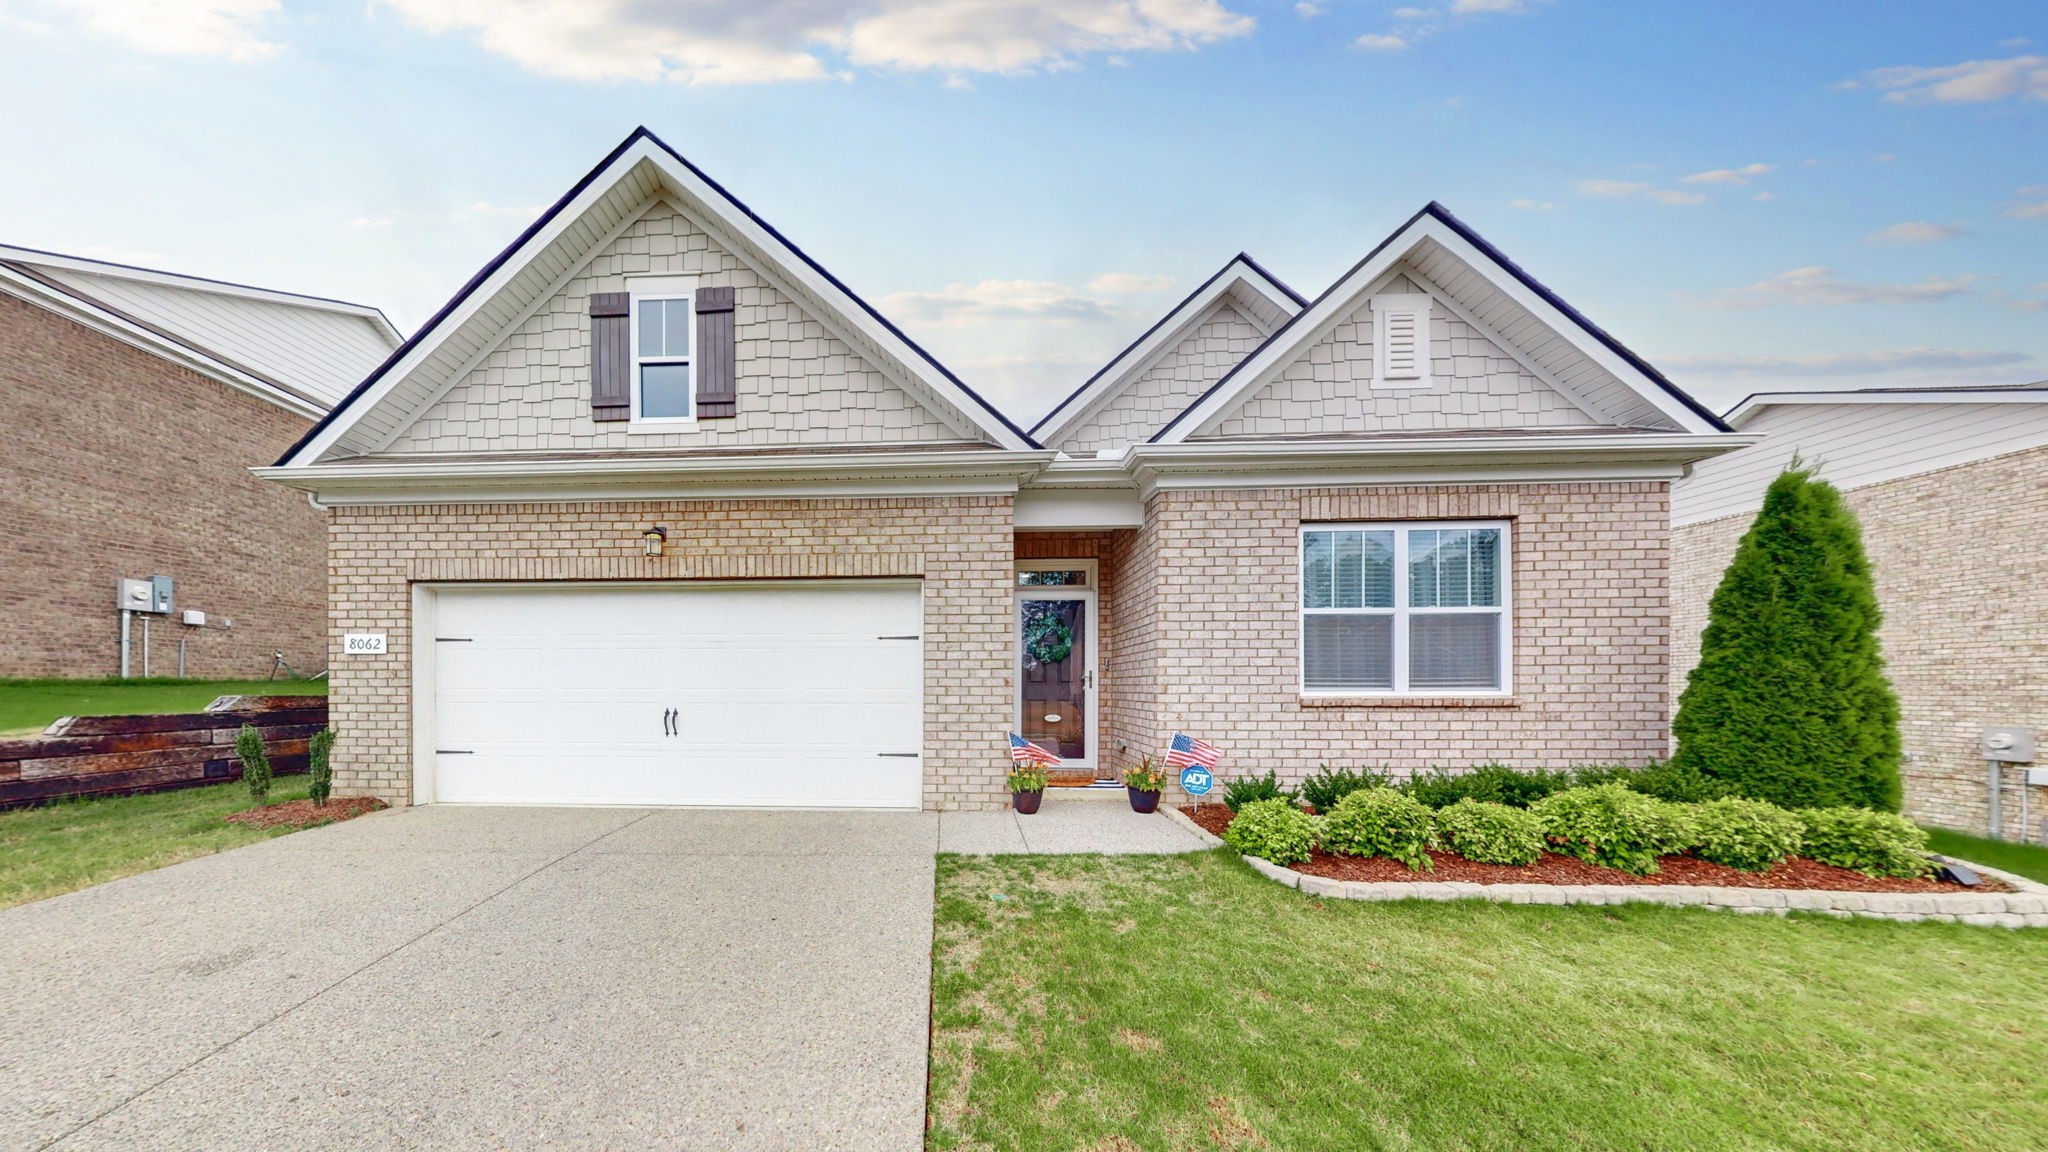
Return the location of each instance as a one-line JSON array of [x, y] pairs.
[[1049, 639]]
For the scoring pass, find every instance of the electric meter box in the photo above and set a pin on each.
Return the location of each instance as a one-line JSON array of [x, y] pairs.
[[134, 596], [2012, 745], [152, 596]]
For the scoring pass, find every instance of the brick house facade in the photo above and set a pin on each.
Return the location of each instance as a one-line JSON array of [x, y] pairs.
[[136, 403], [138, 466], [486, 454]]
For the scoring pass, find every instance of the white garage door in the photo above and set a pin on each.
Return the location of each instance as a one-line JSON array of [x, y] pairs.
[[800, 695]]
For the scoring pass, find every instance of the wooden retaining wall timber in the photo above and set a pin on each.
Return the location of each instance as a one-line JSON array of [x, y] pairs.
[[115, 755]]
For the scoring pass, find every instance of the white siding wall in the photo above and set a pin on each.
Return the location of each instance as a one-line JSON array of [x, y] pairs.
[[1855, 444], [797, 383], [1173, 381], [321, 353]]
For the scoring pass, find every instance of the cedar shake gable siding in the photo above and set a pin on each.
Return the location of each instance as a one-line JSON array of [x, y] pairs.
[[120, 463], [797, 385]]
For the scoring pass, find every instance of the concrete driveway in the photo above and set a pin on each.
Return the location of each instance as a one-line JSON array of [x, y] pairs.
[[486, 978]]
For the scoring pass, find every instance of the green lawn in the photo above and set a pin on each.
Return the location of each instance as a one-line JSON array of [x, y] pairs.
[[30, 705], [77, 843], [2029, 860], [1109, 1004]]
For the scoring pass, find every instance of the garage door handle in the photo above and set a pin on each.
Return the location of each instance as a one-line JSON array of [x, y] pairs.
[[898, 637], [905, 755], [668, 716]]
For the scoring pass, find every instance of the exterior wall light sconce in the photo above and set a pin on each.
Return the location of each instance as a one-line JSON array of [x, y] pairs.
[[655, 537]]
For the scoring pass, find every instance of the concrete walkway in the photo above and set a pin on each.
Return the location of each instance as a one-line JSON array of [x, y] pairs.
[[1069, 820], [449, 977]]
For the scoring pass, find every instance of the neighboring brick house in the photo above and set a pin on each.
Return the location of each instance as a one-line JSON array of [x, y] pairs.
[[657, 511], [135, 404], [1951, 487]]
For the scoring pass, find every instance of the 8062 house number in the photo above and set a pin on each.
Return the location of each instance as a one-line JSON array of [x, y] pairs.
[[363, 644]]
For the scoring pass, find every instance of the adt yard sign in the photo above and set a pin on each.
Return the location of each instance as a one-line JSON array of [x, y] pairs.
[[1196, 780]]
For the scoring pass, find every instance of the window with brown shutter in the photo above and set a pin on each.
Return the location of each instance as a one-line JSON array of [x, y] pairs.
[[717, 390], [611, 356]]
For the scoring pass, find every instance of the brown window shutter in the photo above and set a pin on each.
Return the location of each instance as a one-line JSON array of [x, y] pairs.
[[717, 390], [611, 356]]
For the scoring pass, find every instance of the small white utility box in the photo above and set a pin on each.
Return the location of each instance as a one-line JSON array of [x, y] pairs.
[[2038, 777], [194, 617]]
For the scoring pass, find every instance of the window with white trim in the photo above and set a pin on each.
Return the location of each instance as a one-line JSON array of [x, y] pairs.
[[663, 383], [1403, 609]]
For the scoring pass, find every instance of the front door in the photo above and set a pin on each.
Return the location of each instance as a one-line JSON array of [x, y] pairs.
[[1056, 659]]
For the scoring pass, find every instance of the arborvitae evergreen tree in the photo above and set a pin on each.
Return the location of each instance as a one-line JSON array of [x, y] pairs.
[[255, 762], [320, 767], [1789, 702]]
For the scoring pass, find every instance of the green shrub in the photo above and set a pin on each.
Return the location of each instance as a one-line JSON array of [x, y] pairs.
[[1492, 783], [1327, 785], [1490, 833], [319, 766], [1665, 780], [1613, 825], [1027, 778], [1873, 843], [1272, 829], [1251, 789], [1789, 702], [1751, 835], [255, 763], [1380, 822]]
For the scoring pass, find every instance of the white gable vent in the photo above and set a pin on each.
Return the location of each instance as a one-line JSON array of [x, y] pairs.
[[1400, 340]]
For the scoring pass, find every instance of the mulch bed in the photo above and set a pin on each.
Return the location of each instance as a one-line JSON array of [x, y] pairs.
[[304, 814], [1794, 872]]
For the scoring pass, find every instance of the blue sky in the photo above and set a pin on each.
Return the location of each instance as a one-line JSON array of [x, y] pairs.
[[1753, 195]]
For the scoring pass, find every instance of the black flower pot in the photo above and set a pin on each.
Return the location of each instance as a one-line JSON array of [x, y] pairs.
[[1026, 803], [1142, 801]]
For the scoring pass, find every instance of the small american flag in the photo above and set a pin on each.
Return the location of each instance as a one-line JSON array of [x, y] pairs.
[[1025, 752], [1185, 751]]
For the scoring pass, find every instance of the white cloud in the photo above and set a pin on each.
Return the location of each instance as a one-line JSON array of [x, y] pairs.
[[1971, 82], [2034, 206], [1471, 7], [1528, 205], [1764, 197], [745, 41], [2015, 42], [1129, 283], [485, 210], [1845, 363], [1309, 11], [1883, 158], [1375, 43], [1819, 287], [367, 222], [1626, 189], [1741, 175], [996, 301], [1915, 232], [1413, 24], [227, 28]]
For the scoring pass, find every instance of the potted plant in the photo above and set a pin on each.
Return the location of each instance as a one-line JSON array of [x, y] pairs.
[[1027, 787], [1143, 782]]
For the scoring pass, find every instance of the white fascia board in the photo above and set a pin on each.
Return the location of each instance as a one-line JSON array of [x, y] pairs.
[[1078, 509], [700, 476], [114, 271], [1164, 335], [1752, 405], [1425, 460], [77, 310], [1342, 299]]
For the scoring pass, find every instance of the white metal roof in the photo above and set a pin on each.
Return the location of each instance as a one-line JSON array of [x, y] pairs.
[[311, 349]]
